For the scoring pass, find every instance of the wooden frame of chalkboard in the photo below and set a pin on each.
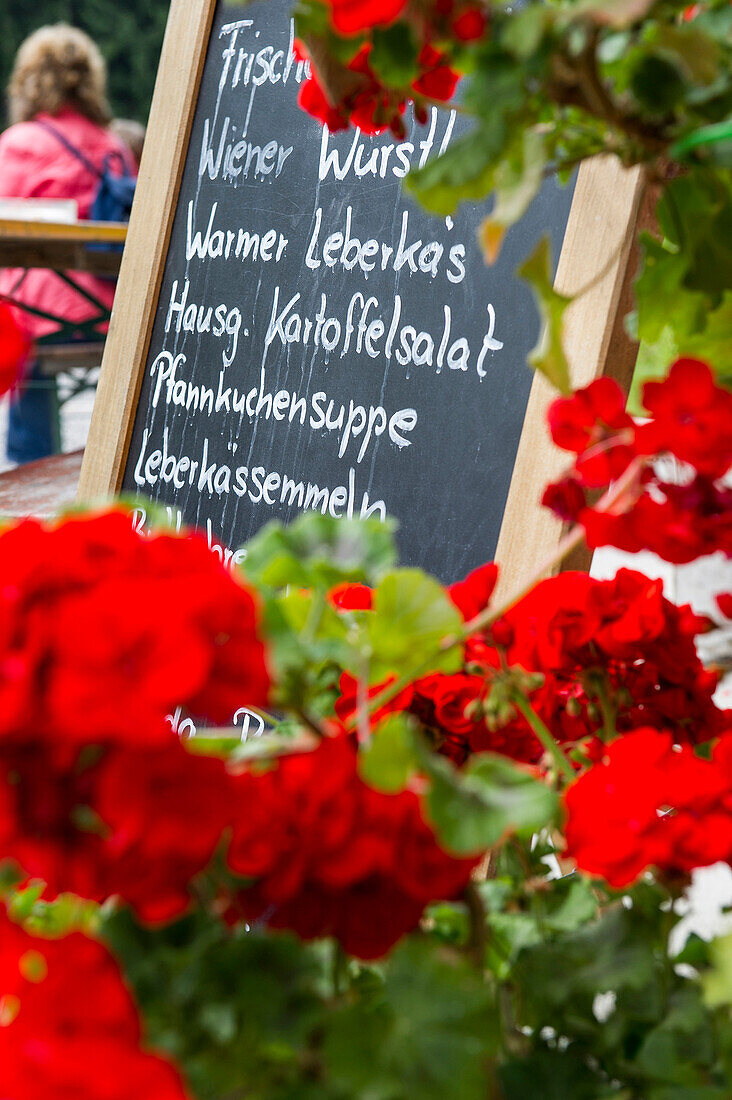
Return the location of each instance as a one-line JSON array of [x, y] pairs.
[[596, 263]]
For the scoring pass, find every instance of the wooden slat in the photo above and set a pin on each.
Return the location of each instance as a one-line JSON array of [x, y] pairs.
[[163, 158], [596, 263], [87, 232], [61, 245], [60, 256]]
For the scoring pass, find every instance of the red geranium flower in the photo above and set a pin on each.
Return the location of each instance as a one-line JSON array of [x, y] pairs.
[[14, 347], [331, 856], [351, 597], [436, 80], [589, 415], [452, 696], [69, 1025], [137, 822], [692, 418], [650, 804], [724, 603], [353, 16], [104, 632], [469, 25], [365, 102], [472, 595]]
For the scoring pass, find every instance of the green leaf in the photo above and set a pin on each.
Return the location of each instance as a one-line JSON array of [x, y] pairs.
[[708, 143], [463, 174], [618, 952], [491, 798], [412, 615], [391, 757], [718, 982], [236, 1009], [714, 342], [319, 551], [660, 296], [523, 33], [693, 50], [657, 84], [393, 56], [684, 292], [548, 356], [307, 643], [552, 1075], [517, 182], [509, 934], [577, 907], [498, 97], [67, 913], [681, 1042], [431, 1034]]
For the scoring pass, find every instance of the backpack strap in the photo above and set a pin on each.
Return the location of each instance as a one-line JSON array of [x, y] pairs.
[[70, 148]]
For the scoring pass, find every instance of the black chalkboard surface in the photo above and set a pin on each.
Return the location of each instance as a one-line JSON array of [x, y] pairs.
[[319, 341]]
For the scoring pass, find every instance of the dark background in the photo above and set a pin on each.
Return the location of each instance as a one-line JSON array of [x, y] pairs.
[[128, 32]]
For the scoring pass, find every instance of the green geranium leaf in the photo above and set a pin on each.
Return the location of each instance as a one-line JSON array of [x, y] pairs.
[[463, 174], [523, 33], [718, 981], [431, 1035], [576, 907], [694, 51], [391, 758], [517, 182], [548, 356], [657, 83], [412, 615], [474, 808], [319, 551], [660, 295], [393, 55]]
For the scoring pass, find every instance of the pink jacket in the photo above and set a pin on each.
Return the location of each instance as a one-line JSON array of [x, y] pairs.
[[34, 164]]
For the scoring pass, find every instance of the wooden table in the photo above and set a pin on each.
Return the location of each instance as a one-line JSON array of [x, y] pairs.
[[62, 246], [40, 488], [72, 348]]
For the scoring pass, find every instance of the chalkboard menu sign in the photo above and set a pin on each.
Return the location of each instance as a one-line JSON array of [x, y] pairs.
[[310, 338]]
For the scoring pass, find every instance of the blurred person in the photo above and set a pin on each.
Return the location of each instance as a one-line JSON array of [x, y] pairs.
[[132, 133], [58, 146]]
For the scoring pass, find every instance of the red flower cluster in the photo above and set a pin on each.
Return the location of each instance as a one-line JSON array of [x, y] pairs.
[[93, 614], [365, 102], [331, 856], [691, 420], [466, 21], [354, 16], [580, 637], [69, 1027], [134, 822], [103, 633], [650, 803], [621, 636], [14, 347], [446, 704]]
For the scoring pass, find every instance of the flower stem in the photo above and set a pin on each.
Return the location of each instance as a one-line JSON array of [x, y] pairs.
[[478, 934], [543, 733]]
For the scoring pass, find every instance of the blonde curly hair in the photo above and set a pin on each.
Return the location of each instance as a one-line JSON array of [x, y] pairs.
[[58, 66]]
